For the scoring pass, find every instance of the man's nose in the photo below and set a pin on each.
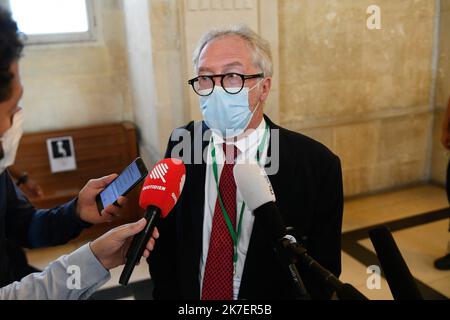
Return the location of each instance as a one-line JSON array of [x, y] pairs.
[[217, 81]]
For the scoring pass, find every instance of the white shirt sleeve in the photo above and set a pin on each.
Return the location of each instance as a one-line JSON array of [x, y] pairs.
[[75, 276]]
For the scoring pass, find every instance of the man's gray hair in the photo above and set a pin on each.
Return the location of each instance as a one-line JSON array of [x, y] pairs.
[[262, 56]]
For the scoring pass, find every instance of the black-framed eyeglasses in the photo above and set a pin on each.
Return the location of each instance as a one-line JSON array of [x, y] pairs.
[[232, 83]]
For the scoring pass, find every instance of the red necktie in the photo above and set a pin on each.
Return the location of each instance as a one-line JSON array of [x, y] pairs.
[[218, 276]]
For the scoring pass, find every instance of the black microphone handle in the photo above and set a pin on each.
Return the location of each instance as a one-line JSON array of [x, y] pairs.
[[349, 292], [344, 291], [288, 261], [401, 282], [270, 218], [139, 243], [325, 275]]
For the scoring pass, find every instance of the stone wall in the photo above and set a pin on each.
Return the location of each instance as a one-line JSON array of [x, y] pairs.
[[363, 93], [78, 84], [371, 96], [441, 155]]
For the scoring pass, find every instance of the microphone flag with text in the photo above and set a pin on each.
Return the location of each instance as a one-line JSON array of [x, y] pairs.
[[160, 193]]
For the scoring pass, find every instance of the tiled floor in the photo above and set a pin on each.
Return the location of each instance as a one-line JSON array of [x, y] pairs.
[[419, 245], [375, 209]]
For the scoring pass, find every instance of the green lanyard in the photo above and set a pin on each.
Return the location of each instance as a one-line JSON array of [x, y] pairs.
[[235, 236]]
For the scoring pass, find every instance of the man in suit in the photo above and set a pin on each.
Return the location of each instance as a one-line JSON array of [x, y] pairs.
[[211, 246]]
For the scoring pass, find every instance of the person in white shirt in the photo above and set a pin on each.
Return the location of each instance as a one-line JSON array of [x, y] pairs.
[[92, 261]]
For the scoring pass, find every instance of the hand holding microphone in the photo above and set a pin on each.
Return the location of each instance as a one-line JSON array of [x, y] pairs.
[[159, 195], [110, 249]]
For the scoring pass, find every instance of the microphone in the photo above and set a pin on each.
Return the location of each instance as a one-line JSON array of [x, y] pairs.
[[401, 282], [344, 291], [256, 190], [159, 194], [348, 292]]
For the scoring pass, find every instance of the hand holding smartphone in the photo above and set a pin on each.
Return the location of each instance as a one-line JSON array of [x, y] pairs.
[[122, 185]]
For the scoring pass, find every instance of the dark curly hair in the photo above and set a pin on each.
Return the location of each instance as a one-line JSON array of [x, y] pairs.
[[11, 48]]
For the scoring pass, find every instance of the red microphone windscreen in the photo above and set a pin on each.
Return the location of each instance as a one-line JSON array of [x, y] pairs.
[[163, 185]]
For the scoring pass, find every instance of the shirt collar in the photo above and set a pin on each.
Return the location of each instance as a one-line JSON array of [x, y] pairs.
[[248, 142]]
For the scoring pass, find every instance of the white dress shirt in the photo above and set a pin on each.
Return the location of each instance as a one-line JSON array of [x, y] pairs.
[[248, 147]]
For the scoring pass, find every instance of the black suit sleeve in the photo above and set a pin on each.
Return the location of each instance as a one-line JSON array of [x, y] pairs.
[[324, 244], [162, 260]]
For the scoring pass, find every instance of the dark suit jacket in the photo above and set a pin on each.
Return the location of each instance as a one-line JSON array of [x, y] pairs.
[[308, 189], [25, 226]]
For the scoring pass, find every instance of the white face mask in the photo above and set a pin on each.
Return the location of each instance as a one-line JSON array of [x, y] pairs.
[[228, 114], [10, 141]]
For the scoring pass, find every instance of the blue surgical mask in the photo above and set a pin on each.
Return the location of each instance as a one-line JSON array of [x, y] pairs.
[[228, 114]]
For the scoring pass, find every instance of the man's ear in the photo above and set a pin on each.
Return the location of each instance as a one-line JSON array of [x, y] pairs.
[[266, 86]]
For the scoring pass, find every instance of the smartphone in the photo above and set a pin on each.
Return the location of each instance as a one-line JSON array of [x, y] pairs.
[[122, 185]]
